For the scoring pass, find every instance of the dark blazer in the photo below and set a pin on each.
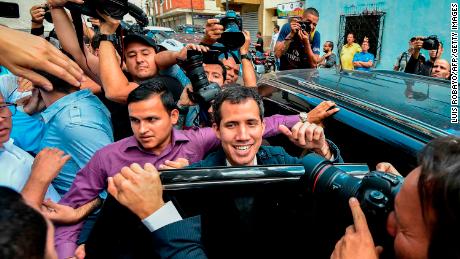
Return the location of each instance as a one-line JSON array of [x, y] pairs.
[[267, 155], [181, 239]]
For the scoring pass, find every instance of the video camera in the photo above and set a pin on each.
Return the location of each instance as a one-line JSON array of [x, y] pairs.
[[116, 9], [305, 26], [232, 38], [376, 191]]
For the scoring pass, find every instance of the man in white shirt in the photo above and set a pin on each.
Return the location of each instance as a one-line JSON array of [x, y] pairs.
[[16, 163], [276, 33]]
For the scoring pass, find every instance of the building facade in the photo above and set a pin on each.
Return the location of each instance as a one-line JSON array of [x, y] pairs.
[[388, 24], [172, 13]]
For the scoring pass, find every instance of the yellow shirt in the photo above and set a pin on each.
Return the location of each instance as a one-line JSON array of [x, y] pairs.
[[347, 54]]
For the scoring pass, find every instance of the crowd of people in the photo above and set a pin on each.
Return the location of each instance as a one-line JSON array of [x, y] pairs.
[[80, 119]]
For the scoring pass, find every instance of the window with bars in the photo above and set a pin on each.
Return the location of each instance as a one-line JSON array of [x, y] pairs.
[[363, 25]]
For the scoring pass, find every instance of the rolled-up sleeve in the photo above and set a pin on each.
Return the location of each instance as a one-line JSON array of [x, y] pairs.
[[89, 182], [272, 123]]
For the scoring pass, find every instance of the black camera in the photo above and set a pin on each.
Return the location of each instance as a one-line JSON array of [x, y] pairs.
[[376, 191], [305, 26], [116, 9], [431, 43], [47, 15], [113, 8], [203, 91], [232, 38]]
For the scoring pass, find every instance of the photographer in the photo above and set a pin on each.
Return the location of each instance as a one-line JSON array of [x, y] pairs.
[[299, 43], [426, 219], [213, 32], [417, 63]]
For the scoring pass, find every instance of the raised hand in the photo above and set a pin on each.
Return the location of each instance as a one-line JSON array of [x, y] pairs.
[[308, 136], [36, 53]]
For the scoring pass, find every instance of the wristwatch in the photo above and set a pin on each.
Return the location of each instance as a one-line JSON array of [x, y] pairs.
[[112, 38], [303, 116], [247, 56]]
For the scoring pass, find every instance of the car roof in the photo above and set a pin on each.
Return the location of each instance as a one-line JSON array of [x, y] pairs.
[[158, 28], [403, 98]]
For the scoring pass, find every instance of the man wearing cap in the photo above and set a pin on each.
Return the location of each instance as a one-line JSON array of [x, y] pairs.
[[138, 54]]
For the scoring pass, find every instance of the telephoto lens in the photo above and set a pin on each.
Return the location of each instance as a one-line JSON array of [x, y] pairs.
[[376, 191]]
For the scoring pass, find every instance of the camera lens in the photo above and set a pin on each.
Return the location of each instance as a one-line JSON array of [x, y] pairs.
[[323, 178]]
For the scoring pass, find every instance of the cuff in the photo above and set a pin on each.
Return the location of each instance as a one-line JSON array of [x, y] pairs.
[[166, 215]]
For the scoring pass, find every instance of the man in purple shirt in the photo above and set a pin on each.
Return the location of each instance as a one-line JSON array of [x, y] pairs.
[[153, 113]]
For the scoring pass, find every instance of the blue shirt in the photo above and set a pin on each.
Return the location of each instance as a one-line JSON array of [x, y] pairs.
[[364, 57], [176, 72], [78, 124]]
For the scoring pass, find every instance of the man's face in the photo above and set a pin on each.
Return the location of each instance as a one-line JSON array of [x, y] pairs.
[[441, 69], [5, 122], [350, 38], [233, 70], [365, 46], [151, 123], [140, 61], [214, 73], [436, 54], [240, 131], [309, 17], [406, 223]]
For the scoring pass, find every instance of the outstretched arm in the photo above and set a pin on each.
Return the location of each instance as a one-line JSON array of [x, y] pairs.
[[45, 168], [69, 41]]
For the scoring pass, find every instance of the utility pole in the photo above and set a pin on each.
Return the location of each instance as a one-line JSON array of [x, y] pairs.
[[191, 6]]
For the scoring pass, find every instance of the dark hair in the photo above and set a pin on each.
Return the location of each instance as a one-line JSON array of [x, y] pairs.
[[331, 44], [235, 93], [152, 87], [23, 229], [259, 33], [439, 189], [277, 27], [311, 10], [351, 34], [59, 85]]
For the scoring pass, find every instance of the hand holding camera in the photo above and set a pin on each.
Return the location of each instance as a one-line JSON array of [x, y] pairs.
[[182, 55], [213, 31], [37, 12]]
